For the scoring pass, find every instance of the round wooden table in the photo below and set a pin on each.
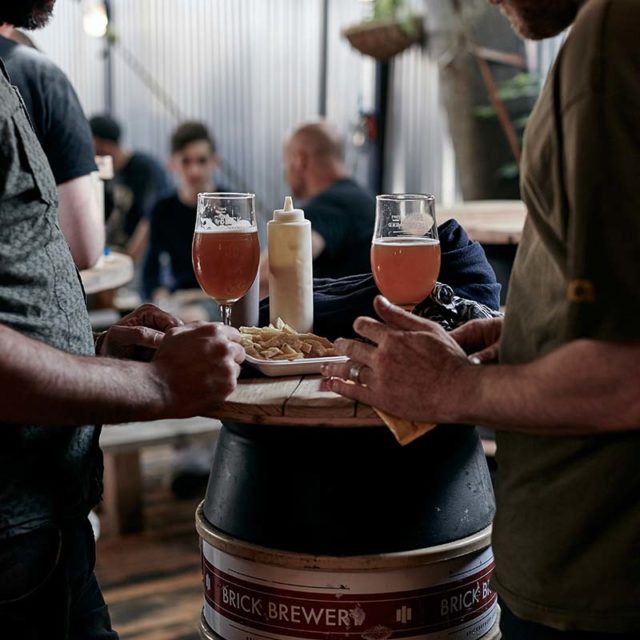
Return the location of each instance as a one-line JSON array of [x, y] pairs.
[[295, 401], [111, 272], [301, 401], [498, 222]]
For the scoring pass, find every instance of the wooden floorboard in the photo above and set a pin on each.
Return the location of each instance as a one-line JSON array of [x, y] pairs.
[[152, 581]]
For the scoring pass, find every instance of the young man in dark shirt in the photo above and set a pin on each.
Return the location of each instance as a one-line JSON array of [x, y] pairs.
[[63, 132], [138, 183], [341, 212], [172, 220]]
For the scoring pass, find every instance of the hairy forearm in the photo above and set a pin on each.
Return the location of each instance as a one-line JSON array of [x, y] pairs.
[[586, 387], [44, 386]]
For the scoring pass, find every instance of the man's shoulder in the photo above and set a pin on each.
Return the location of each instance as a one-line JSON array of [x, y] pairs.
[[343, 194], [601, 53], [8, 98], [603, 24], [144, 167], [142, 159], [598, 10], [7, 46], [33, 64]]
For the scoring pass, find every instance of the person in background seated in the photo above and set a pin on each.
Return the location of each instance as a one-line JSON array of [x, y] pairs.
[[139, 181], [172, 220], [193, 163], [63, 132], [342, 213]]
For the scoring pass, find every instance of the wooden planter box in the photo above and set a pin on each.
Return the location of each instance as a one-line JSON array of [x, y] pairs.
[[383, 39]]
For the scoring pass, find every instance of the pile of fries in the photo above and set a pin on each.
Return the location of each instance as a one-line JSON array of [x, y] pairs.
[[281, 342]]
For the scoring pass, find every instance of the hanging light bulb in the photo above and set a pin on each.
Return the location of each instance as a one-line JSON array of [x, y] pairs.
[[95, 20]]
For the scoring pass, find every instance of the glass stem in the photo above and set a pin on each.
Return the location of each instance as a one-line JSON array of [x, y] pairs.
[[226, 314]]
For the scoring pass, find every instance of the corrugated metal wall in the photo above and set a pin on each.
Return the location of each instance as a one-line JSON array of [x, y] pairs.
[[419, 156], [251, 70], [350, 82]]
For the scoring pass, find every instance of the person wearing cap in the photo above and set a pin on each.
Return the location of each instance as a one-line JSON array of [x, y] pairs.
[[559, 377], [140, 180]]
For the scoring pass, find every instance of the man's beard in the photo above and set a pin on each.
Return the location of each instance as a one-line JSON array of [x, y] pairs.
[[26, 14], [539, 19]]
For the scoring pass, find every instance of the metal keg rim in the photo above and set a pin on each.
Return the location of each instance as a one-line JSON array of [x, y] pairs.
[[205, 630], [493, 634], [397, 560]]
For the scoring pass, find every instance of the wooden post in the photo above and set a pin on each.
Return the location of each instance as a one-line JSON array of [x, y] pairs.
[[121, 509]]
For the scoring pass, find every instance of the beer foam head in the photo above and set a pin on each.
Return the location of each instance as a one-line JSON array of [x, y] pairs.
[[225, 224]]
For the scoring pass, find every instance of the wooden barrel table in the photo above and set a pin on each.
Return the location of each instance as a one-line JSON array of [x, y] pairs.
[[493, 222], [318, 525]]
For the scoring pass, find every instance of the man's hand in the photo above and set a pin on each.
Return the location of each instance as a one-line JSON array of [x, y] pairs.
[[196, 368], [408, 370], [480, 339], [137, 335]]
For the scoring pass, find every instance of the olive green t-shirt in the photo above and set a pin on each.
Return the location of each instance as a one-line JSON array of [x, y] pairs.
[[567, 531]]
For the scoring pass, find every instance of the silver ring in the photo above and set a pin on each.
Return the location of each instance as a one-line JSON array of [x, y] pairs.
[[354, 372]]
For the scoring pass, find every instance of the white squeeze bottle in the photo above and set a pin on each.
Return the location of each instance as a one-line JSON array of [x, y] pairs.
[[290, 268]]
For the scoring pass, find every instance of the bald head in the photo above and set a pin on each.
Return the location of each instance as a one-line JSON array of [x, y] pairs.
[[313, 155], [320, 139]]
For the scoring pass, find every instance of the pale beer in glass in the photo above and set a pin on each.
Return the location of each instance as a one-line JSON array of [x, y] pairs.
[[405, 251]]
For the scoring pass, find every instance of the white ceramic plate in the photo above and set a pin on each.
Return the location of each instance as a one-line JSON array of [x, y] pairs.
[[277, 368]]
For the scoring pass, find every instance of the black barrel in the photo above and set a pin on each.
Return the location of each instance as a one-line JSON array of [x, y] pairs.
[[348, 491]]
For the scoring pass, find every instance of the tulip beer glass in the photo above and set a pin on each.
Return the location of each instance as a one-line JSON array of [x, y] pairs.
[[226, 250]]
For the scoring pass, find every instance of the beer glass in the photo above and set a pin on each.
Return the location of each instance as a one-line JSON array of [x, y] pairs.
[[226, 250], [405, 251]]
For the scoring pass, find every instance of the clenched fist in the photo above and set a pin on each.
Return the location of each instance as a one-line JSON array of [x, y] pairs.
[[196, 368]]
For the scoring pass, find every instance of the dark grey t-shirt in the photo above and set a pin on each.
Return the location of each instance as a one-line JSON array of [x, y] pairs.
[[54, 108], [46, 473], [344, 215]]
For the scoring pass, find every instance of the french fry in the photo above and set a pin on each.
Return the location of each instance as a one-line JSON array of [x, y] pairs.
[[279, 341]]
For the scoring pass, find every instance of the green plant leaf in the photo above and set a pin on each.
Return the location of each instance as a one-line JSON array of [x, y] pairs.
[[485, 112], [509, 171], [386, 8]]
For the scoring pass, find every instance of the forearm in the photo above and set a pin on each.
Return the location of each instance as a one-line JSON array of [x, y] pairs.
[[44, 386], [81, 220], [586, 387]]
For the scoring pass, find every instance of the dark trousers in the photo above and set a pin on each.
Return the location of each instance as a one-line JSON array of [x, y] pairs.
[[514, 628], [48, 590]]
